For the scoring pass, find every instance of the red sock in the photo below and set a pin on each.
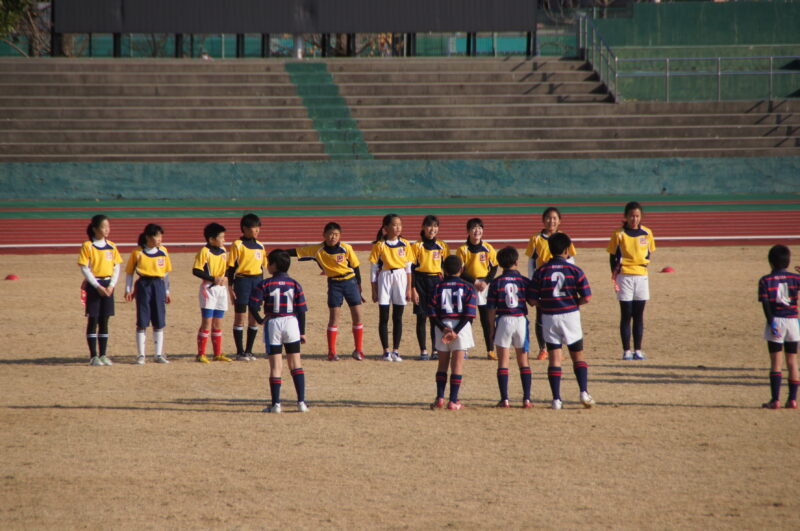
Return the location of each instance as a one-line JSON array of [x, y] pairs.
[[358, 336], [332, 331], [216, 341], [202, 341]]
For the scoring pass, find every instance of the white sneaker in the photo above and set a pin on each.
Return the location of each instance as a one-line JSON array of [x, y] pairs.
[[627, 355], [586, 399], [105, 360], [302, 407], [387, 356], [396, 356], [639, 355], [275, 408], [139, 360], [251, 358], [95, 362], [162, 359], [556, 404]]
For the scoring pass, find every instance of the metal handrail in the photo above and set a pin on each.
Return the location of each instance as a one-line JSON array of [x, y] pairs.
[[598, 53]]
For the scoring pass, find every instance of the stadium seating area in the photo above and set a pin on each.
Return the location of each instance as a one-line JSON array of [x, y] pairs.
[[432, 108]]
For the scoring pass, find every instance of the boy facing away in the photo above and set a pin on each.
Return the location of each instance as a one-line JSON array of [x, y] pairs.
[[559, 289], [284, 326], [777, 293]]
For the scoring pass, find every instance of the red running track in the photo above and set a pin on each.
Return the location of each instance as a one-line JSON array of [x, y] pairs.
[[34, 236]]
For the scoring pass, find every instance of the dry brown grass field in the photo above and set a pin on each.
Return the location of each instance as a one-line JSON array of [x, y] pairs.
[[677, 441]]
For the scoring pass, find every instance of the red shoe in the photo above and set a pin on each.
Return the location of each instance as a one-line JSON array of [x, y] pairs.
[[358, 356], [454, 406], [772, 404], [526, 404], [503, 404], [542, 355], [791, 404], [438, 403]]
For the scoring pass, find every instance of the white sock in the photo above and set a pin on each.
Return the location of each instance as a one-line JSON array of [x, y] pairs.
[[140, 338], [158, 338]]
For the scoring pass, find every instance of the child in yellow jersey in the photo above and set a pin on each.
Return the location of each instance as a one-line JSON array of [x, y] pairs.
[[391, 259], [246, 263], [480, 267], [210, 265], [151, 262], [538, 252], [340, 264], [630, 248], [99, 262], [429, 253]]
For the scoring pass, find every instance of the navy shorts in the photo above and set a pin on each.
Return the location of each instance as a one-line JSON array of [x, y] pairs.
[[339, 290], [424, 284], [243, 287], [151, 302], [98, 306]]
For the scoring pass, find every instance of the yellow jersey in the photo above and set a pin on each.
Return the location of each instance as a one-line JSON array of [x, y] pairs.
[[157, 264], [213, 261], [247, 257], [392, 256], [101, 260], [429, 255], [478, 259], [337, 262], [539, 249], [632, 248]]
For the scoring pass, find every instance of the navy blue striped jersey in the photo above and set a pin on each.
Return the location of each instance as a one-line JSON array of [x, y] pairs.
[[779, 289], [281, 295], [557, 286], [453, 298], [507, 294]]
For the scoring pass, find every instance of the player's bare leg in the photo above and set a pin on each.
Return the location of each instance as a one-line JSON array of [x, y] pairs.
[[333, 331], [503, 355], [358, 332], [581, 369]]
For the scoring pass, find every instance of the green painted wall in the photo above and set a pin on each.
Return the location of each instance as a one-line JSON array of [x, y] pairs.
[[391, 178]]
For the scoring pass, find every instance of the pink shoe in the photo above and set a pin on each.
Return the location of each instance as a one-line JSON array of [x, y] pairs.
[[503, 404], [791, 404], [526, 404], [772, 404], [454, 406], [438, 403]]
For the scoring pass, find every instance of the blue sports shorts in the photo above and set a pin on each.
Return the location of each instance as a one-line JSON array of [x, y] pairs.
[[151, 302], [339, 290]]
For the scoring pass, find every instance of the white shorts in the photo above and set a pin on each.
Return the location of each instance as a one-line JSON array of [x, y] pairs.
[[789, 329], [213, 297], [464, 341], [562, 328], [482, 295], [281, 330], [392, 285], [633, 288], [510, 331]]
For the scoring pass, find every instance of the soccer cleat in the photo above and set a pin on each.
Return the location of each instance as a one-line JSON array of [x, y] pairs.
[[302, 407], [222, 357], [586, 399], [161, 359], [435, 355], [242, 357], [201, 358], [274, 408], [424, 356], [556, 404], [332, 357], [438, 403], [627, 355], [542, 354], [772, 404], [358, 356], [139, 360], [527, 404], [791, 404], [105, 360], [491, 355], [95, 362], [396, 356], [503, 404], [387, 356], [639, 355], [454, 406]]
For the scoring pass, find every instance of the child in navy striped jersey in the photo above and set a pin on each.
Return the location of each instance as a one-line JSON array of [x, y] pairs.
[[559, 289]]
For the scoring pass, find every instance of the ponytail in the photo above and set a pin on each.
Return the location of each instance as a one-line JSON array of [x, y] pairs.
[[150, 230], [93, 224], [387, 219]]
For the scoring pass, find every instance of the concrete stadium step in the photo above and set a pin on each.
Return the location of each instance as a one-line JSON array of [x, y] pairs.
[[155, 124], [166, 157], [453, 64], [568, 76], [497, 88], [163, 135], [230, 113], [156, 147], [595, 154], [140, 90]]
